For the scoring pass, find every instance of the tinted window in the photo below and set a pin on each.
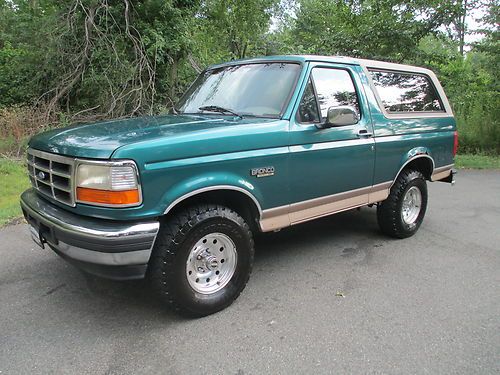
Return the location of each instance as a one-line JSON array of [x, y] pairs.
[[251, 89], [308, 108], [405, 92], [334, 87]]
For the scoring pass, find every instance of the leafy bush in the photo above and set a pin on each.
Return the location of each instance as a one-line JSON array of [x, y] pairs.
[[80, 60], [478, 123], [472, 86]]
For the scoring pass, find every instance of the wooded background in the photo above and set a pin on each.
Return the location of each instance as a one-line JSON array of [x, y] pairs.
[[65, 61]]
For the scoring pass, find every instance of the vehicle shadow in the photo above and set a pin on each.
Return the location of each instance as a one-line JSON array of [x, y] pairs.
[[136, 296], [358, 223]]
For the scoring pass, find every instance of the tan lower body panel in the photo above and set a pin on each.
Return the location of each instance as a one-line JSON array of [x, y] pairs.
[[284, 216]]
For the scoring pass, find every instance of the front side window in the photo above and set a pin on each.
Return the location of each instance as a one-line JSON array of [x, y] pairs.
[[334, 88], [260, 90], [406, 92]]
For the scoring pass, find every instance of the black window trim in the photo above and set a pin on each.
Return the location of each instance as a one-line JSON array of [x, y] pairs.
[[309, 77], [404, 72], [315, 92], [297, 117]]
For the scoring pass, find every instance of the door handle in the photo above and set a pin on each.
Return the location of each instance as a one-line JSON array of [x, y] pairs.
[[364, 133]]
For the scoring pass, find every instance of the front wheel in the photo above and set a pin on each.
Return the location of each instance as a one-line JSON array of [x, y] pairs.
[[402, 213], [202, 259]]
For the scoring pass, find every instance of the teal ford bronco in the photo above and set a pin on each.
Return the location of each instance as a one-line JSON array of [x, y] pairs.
[[253, 146]]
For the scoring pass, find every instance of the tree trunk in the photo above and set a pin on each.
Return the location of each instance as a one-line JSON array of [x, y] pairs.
[[173, 79], [462, 26]]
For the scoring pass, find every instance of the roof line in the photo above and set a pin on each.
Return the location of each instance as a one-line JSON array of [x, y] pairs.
[[367, 63]]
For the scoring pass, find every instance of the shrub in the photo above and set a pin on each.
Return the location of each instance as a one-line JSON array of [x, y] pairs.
[[478, 123], [18, 124]]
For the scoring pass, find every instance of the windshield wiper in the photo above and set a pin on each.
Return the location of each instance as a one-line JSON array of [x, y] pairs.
[[216, 108]]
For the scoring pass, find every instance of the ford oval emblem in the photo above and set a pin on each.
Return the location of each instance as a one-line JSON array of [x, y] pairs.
[[41, 175]]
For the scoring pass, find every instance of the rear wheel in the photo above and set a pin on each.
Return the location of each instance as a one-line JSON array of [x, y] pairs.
[[402, 213], [202, 259]]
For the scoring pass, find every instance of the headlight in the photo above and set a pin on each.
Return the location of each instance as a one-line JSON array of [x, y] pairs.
[[112, 184]]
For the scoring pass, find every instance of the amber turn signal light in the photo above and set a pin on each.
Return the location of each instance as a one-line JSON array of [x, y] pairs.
[[111, 197]]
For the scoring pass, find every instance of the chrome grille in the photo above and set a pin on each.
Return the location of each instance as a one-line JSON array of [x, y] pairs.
[[52, 175]]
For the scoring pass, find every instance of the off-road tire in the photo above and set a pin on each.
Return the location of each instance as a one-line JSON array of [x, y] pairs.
[[177, 236], [389, 212]]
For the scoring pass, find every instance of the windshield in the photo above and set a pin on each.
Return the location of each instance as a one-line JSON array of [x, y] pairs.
[[258, 90]]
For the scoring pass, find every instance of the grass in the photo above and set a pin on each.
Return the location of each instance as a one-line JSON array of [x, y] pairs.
[[11, 147], [13, 181], [478, 161]]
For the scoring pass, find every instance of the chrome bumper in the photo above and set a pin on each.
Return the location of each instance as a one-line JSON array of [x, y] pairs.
[[112, 249]]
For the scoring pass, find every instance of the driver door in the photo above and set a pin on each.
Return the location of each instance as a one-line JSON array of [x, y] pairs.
[[331, 167]]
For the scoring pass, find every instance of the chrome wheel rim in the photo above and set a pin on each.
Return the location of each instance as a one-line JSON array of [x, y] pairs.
[[412, 204], [211, 263]]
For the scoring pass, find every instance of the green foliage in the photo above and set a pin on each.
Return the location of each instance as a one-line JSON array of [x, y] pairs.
[[387, 29], [477, 109], [64, 61], [22, 40], [472, 85], [233, 29], [104, 57]]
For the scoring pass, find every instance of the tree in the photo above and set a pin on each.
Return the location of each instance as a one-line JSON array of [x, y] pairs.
[[383, 29], [234, 29], [91, 59], [105, 57]]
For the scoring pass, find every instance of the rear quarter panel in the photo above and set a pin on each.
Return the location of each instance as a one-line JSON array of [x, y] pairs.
[[397, 140]]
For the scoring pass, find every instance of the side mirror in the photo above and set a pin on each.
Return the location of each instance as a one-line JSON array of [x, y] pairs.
[[341, 116]]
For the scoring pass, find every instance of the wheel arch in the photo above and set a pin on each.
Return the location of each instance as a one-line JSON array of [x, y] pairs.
[[420, 160], [234, 197]]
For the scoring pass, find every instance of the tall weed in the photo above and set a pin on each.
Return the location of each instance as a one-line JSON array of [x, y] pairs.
[[18, 124]]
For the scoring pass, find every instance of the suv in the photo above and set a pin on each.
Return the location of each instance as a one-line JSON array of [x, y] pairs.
[[253, 146]]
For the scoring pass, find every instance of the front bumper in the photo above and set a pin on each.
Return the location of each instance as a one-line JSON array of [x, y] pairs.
[[106, 248]]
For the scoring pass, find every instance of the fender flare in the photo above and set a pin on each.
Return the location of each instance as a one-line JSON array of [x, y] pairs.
[[210, 182], [412, 155], [213, 188]]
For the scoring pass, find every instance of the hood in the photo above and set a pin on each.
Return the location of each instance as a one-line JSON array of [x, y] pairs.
[[100, 140]]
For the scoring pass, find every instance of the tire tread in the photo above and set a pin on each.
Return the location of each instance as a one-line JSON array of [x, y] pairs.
[[388, 215], [173, 231]]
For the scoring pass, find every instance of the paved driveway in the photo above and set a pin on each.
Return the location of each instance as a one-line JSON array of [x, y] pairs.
[[428, 304]]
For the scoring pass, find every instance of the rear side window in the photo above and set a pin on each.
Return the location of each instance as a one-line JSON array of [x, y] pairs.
[[406, 92]]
